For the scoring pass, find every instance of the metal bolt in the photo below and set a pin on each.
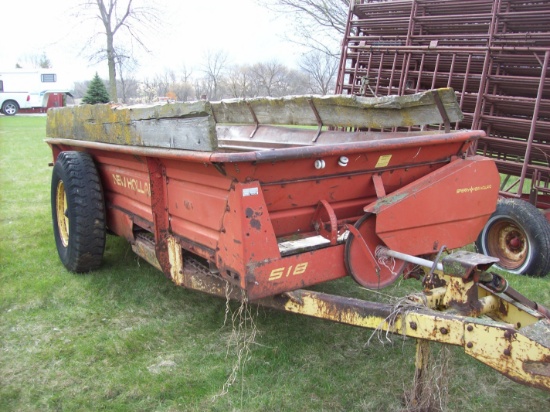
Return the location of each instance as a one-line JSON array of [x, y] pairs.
[[507, 352], [319, 164], [469, 345], [343, 161], [507, 334], [413, 325], [444, 331], [470, 328]]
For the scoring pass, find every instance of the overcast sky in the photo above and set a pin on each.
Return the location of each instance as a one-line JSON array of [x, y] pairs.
[[247, 32]]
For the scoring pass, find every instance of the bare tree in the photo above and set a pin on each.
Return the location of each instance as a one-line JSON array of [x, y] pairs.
[[183, 88], [239, 81], [182, 91], [316, 22], [321, 69], [149, 89], [117, 16], [35, 61], [79, 89], [267, 76], [213, 69], [128, 87], [126, 84], [164, 82], [185, 73], [200, 85], [294, 82]]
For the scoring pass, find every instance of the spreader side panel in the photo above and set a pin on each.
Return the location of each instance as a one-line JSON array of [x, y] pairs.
[[445, 208]]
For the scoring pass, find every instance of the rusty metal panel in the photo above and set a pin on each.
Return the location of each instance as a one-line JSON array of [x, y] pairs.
[[268, 278], [516, 356], [125, 183], [196, 210], [246, 235], [445, 208]]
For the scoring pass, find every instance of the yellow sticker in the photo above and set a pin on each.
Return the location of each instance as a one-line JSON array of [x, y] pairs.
[[383, 161]]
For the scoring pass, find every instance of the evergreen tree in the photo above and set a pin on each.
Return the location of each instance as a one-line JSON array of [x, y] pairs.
[[97, 92], [45, 63]]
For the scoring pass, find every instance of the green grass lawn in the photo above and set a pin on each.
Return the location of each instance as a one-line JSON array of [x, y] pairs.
[[126, 339]]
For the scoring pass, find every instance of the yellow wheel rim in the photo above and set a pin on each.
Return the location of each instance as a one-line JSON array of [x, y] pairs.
[[509, 243], [62, 217]]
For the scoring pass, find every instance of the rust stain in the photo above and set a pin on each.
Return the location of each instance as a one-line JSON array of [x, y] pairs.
[[252, 215], [389, 200], [538, 368]]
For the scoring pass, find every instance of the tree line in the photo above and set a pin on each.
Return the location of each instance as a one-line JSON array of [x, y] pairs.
[[215, 79], [317, 24]]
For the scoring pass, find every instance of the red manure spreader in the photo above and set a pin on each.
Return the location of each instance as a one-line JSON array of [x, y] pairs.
[[272, 195]]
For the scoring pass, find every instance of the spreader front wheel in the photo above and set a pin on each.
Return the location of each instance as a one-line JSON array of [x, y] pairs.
[[78, 212], [518, 234]]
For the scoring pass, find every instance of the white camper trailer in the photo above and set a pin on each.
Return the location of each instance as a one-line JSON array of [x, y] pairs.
[[33, 90]]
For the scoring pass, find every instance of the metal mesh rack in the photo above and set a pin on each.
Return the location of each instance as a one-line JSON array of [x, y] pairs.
[[494, 53]]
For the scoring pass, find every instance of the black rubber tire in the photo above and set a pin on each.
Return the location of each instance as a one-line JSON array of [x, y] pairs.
[[10, 108], [78, 212], [519, 235]]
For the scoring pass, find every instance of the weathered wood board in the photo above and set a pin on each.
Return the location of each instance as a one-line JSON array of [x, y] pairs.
[[192, 126], [188, 126], [341, 110]]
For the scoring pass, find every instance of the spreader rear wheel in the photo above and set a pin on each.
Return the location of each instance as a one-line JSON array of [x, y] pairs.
[[519, 235], [78, 212]]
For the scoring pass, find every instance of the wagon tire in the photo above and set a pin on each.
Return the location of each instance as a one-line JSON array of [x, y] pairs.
[[519, 235], [10, 108], [78, 212]]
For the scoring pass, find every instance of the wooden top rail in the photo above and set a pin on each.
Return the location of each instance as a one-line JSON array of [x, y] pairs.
[[192, 126]]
